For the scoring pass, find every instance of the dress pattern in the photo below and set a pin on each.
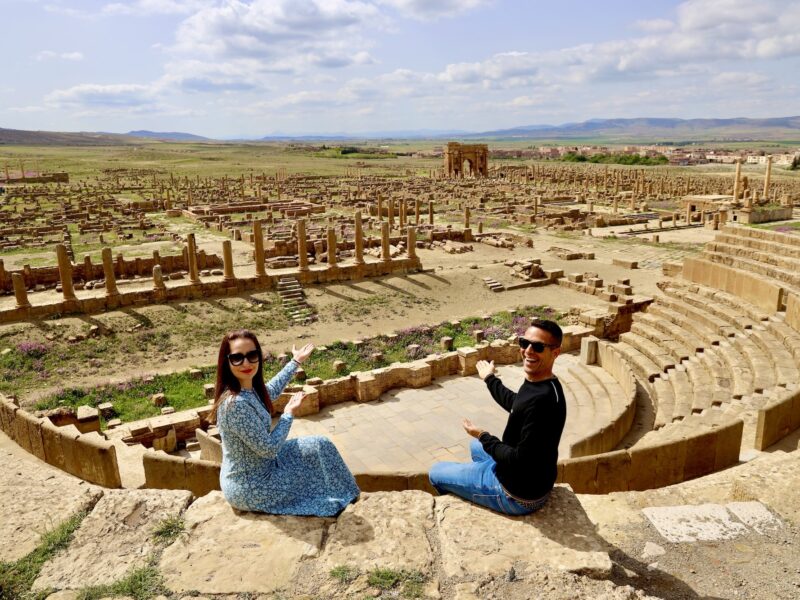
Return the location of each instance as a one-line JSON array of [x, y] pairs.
[[263, 471]]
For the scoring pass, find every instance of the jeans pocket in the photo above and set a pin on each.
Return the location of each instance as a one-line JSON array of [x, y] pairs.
[[492, 501]]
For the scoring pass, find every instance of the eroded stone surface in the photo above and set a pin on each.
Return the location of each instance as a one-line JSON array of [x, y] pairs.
[[384, 529], [115, 537], [476, 541], [229, 552], [704, 522], [34, 498]]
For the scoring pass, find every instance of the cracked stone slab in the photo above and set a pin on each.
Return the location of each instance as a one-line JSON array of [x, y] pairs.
[[755, 515], [475, 541], [34, 498], [693, 523], [383, 529], [225, 551], [115, 537]]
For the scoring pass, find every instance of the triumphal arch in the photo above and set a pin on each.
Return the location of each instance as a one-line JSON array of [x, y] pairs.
[[464, 160]]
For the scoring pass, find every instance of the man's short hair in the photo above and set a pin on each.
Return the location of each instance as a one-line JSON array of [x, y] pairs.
[[550, 327]]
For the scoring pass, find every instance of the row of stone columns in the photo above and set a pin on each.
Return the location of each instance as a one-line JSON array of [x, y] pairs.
[[229, 277]]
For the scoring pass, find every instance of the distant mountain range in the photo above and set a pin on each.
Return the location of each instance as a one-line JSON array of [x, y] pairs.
[[170, 136], [653, 129], [642, 130]]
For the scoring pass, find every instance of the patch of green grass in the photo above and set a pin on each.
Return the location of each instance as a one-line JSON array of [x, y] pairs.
[[168, 530], [410, 582], [143, 583], [344, 573], [17, 578], [131, 399]]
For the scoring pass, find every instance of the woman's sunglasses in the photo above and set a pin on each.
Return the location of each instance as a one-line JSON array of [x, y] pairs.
[[538, 347], [237, 358]]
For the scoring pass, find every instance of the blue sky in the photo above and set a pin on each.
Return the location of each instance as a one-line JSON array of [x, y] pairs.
[[227, 68]]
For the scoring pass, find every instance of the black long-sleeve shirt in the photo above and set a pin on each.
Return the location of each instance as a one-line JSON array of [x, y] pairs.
[[527, 456]]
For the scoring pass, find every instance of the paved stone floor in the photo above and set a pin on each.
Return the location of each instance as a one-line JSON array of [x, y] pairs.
[[408, 430]]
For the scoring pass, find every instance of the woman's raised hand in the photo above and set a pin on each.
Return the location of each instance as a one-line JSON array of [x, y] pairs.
[[303, 353], [294, 403]]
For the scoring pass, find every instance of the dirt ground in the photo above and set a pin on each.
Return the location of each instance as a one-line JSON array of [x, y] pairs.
[[450, 287]]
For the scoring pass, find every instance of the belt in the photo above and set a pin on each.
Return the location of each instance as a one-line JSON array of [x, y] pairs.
[[531, 504]]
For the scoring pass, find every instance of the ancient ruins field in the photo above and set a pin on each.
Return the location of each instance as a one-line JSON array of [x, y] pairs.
[[678, 289]]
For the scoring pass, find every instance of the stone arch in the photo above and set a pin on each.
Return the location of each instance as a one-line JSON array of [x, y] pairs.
[[475, 156]]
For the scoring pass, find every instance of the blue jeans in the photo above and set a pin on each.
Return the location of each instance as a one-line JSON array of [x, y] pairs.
[[476, 481]]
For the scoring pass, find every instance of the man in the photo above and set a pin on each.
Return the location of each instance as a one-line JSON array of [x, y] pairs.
[[515, 476]]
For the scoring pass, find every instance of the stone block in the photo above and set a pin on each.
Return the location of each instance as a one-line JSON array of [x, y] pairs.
[[202, 476], [589, 350], [657, 465], [97, 458], [278, 545], [701, 452], [115, 538], [158, 399], [33, 432], [729, 441], [383, 530], [210, 448], [558, 536], [208, 390], [164, 471], [467, 360], [446, 343], [613, 472]]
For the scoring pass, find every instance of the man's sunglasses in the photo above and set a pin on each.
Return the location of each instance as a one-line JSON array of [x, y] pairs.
[[538, 347], [237, 358]]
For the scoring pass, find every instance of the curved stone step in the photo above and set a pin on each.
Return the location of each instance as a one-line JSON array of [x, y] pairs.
[[655, 352], [702, 332], [673, 346]]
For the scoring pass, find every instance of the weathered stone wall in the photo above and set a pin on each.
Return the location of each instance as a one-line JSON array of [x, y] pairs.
[[753, 288], [778, 419], [88, 456]]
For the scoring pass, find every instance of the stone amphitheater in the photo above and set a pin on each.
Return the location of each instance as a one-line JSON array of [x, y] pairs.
[[678, 480]]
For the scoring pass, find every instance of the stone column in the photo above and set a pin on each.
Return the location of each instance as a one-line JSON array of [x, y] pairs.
[[302, 251], [736, 180], [391, 212], [20, 293], [380, 207], [466, 217], [402, 212], [227, 262], [411, 242], [108, 273], [258, 240], [386, 255], [688, 214], [416, 211], [767, 177], [65, 271], [158, 279], [191, 257], [430, 212], [331, 247], [359, 239]]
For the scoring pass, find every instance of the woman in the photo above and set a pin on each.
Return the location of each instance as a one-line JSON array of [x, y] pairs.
[[262, 470]]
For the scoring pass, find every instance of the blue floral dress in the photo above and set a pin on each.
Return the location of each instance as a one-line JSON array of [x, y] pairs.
[[263, 471]]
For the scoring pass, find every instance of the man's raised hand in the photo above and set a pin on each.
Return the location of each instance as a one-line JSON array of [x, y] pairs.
[[485, 368]]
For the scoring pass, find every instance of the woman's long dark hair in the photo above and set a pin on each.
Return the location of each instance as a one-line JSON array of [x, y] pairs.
[[226, 380]]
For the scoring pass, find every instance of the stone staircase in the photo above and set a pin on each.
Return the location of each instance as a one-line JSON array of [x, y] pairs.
[[707, 357], [294, 300]]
